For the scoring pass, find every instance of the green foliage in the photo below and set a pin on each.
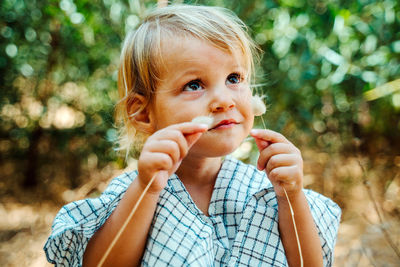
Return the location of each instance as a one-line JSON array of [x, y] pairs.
[[59, 61], [320, 57]]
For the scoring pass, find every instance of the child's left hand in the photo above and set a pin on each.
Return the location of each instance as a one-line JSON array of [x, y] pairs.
[[281, 160]]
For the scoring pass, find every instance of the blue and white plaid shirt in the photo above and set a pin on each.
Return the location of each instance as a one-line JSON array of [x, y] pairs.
[[241, 230]]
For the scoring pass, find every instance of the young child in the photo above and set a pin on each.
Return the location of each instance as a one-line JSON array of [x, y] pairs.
[[204, 207]]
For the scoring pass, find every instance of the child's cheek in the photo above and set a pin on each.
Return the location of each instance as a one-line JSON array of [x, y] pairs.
[[245, 97]]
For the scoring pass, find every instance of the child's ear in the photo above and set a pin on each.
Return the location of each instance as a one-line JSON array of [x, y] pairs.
[[141, 120]]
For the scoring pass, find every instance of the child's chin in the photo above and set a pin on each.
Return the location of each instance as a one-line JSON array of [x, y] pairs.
[[219, 151]]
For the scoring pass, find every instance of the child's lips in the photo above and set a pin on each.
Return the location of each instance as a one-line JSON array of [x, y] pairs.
[[224, 124]]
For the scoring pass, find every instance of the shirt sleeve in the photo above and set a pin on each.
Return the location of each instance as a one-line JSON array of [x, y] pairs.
[[76, 223], [326, 214]]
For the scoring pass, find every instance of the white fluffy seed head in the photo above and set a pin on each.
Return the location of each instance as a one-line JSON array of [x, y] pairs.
[[258, 105], [204, 120]]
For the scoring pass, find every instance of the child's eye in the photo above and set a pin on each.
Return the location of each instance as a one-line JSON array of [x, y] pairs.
[[234, 78], [193, 86]]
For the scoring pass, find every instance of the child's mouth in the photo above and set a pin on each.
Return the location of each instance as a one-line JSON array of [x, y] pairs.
[[224, 124]]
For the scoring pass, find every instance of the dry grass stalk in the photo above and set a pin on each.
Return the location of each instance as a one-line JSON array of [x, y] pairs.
[[380, 216], [295, 228]]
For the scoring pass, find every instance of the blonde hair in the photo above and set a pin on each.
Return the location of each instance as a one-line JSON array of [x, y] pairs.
[[141, 57]]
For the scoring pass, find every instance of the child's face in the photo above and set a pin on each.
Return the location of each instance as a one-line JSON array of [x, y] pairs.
[[202, 80]]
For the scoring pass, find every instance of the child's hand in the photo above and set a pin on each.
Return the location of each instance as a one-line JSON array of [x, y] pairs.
[[281, 160], [163, 152]]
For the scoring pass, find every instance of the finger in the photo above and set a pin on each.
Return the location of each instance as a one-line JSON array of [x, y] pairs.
[[160, 161], [167, 146], [176, 136], [282, 187], [285, 175], [190, 127], [273, 149], [268, 135], [191, 131], [282, 160]]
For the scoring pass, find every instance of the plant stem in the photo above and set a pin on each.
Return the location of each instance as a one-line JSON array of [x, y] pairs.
[[380, 216]]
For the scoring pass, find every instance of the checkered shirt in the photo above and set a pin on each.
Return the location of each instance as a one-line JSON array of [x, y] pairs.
[[241, 229]]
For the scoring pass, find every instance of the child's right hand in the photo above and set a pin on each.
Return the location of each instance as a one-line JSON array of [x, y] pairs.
[[163, 152]]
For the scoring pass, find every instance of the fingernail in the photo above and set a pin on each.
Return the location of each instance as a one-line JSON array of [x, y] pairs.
[[202, 125], [255, 131]]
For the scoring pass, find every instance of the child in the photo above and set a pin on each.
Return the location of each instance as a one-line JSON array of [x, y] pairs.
[[202, 209]]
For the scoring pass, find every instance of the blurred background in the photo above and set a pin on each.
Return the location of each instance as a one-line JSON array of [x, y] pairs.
[[330, 72]]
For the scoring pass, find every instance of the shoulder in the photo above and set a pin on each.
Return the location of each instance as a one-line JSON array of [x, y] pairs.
[[84, 210], [321, 204], [77, 221], [120, 183]]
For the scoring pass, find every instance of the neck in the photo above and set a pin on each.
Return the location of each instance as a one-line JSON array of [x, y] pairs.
[[199, 175], [199, 172]]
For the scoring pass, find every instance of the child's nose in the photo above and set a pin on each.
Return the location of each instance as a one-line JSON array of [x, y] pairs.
[[222, 108], [222, 101]]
